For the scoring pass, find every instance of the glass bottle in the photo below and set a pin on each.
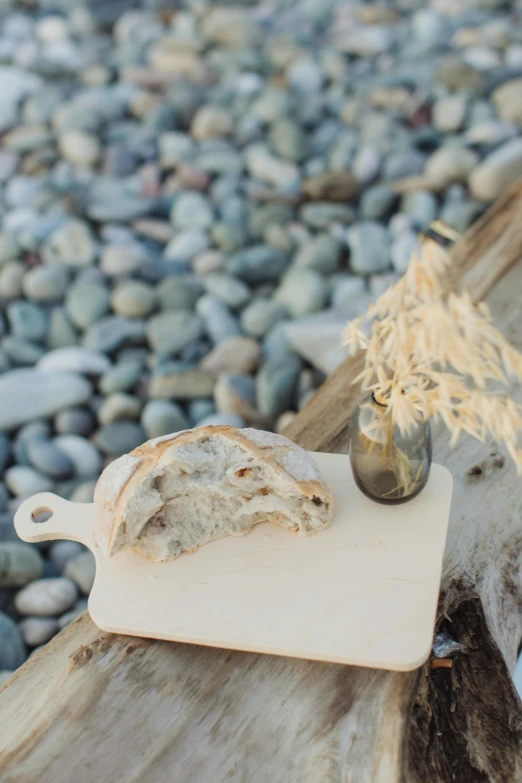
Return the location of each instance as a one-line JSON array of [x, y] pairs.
[[388, 467]]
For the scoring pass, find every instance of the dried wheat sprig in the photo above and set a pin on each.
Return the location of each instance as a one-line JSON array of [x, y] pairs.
[[430, 352]]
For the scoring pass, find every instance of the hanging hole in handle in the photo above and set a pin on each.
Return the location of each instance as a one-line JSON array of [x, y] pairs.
[[42, 514]]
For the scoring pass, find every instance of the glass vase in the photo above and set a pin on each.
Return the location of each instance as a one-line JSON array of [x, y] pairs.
[[389, 467]]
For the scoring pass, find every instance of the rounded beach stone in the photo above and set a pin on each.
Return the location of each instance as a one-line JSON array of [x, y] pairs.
[[119, 437], [45, 284], [234, 354], [191, 210], [49, 459], [121, 377], [12, 648], [19, 564], [38, 630], [28, 394], [232, 292], [83, 493], [302, 292], [46, 597], [71, 244], [87, 302], [75, 359], [133, 298], [25, 481], [27, 320], [497, 171], [82, 453], [118, 406], [260, 316], [74, 421], [169, 332], [161, 417], [62, 551], [218, 321], [81, 569], [276, 386], [179, 293], [80, 148]]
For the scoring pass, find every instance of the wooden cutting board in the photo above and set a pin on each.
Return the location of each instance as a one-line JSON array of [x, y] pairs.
[[362, 592]]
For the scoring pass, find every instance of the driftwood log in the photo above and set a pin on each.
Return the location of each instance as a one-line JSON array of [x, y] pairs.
[[91, 706]]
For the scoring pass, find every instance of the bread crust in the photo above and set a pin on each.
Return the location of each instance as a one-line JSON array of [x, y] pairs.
[[122, 477]]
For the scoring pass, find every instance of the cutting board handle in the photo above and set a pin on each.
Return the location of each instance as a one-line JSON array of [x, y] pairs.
[[68, 520]]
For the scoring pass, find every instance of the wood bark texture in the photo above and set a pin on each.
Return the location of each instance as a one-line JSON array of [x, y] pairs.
[[91, 706]]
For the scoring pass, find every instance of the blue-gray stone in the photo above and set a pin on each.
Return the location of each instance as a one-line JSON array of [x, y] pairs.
[[121, 377], [200, 409], [19, 564], [260, 315], [113, 331], [87, 302], [61, 332], [258, 264], [161, 417], [75, 421], [218, 320], [28, 394], [277, 385], [179, 292], [21, 352], [169, 332], [27, 320], [119, 437], [111, 200], [377, 202], [46, 457], [12, 647], [276, 345]]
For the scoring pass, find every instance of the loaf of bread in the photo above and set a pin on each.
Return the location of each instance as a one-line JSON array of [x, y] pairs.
[[180, 491]]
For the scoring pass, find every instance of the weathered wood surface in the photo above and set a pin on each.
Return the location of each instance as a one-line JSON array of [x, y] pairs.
[[96, 707]]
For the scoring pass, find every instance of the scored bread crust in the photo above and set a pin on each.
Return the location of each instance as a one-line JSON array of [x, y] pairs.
[[123, 477]]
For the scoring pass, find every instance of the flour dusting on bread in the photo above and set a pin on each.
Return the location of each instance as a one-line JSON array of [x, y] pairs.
[[177, 492]]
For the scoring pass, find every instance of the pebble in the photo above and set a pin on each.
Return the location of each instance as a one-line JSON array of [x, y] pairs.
[[236, 393], [71, 244], [179, 293], [161, 417], [420, 206], [219, 323], [28, 394], [87, 302], [75, 359], [186, 245], [369, 245], [191, 210], [24, 481], [119, 437], [497, 171], [449, 164], [347, 292], [49, 459], [62, 551], [46, 597], [12, 648], [118, 406], [61, 332], [316, 339], [182, 385], [269, 168], [83, 493], [449, 112], [112, 332], [401, 250], [45, 284], [322, 254], [81, 569], [222, 420], [133, 298], [19, 564], [27, 320], [507, 100], [9, 247], [120, 377], [234, 354], [232, 292], [276, 386], [11, 280], [257, 264], [302, 292], [331, 186], [83, 455], [38, 630], [169, 332]]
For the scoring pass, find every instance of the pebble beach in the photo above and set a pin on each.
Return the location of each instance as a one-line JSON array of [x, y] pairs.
[[194, 199]]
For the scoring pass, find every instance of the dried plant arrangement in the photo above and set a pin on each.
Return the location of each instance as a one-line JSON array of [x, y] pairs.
[[431, 353]]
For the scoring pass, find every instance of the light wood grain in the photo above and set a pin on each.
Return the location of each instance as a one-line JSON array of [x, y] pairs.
[[93, 707], [375, 570]]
